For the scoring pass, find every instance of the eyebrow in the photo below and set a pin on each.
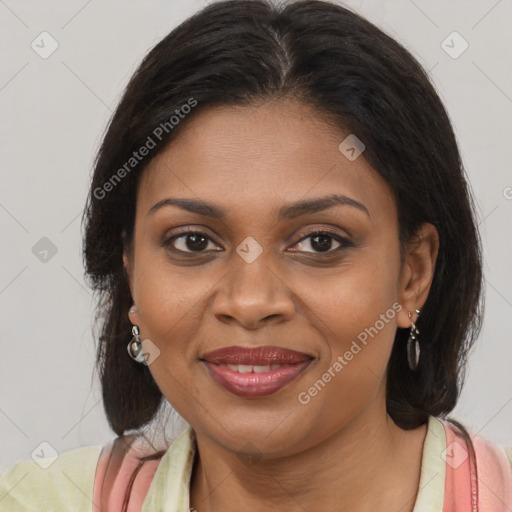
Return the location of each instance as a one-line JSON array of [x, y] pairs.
[[286, 212]]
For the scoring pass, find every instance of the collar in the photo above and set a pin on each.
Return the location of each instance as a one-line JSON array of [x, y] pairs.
[[170, 487], [430, 496]]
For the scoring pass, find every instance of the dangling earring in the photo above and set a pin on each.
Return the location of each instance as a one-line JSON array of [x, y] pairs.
[[413, 345], [135, 346]]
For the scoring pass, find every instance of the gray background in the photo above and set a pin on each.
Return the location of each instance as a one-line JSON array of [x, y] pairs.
[[53, 113]]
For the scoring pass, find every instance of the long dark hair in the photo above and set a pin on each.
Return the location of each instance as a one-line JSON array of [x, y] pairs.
[[356, 77]]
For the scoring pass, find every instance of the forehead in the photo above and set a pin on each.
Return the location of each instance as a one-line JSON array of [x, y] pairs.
[[261, 155]]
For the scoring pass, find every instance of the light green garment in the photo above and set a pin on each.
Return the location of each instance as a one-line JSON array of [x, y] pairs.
[[177, 468], [67, 485]]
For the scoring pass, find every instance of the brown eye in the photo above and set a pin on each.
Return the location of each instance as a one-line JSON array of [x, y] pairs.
[[322, 242], [189, 242]]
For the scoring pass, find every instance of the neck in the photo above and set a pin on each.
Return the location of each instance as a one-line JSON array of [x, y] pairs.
[[369, 464]]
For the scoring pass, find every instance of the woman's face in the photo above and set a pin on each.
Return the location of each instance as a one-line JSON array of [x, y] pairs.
[[260, 276]]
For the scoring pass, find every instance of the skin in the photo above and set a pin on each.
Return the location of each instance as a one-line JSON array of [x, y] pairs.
[[275, 453]]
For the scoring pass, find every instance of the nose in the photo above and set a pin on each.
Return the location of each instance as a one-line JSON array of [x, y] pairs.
[[252, 295]]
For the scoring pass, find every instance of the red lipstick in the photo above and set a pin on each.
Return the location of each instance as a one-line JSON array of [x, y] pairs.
[[255, 372]]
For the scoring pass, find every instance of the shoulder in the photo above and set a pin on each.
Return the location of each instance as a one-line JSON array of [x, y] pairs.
[[493, 456], [486, 450], [471, 457], [56, 483]]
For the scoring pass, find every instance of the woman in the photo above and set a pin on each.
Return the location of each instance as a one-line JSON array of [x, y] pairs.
[[284, 242]]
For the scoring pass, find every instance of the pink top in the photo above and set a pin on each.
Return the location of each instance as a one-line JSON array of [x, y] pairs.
[[493, 492], [122, 481]]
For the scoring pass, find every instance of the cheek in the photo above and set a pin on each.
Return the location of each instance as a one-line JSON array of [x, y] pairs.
[[169, 299], [355, 312], [169, 307], [357, 331], [169, 314], [354, 298]]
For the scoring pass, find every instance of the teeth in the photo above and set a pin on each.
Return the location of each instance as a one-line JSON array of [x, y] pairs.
[[261, 368], [256, 368]]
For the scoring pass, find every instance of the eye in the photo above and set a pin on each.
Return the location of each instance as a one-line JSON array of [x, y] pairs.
[[321, 242], [189, 242], [194, 241]]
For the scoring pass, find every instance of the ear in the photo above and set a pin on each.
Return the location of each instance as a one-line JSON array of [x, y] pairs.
[[128, 267], [417, 272]]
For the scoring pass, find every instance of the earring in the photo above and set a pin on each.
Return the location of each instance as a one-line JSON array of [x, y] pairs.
[[413, 345], [135, 346]]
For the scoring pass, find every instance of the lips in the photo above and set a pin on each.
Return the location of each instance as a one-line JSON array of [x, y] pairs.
[[255, 372], [255, 356]]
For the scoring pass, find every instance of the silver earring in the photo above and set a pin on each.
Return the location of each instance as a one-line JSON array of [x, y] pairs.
[[135, 346], [413, 345]]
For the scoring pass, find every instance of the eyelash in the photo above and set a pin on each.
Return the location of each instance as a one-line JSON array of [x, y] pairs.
[[344, 243]]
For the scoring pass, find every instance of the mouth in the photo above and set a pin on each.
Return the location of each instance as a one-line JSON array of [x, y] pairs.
[[255, 372]]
